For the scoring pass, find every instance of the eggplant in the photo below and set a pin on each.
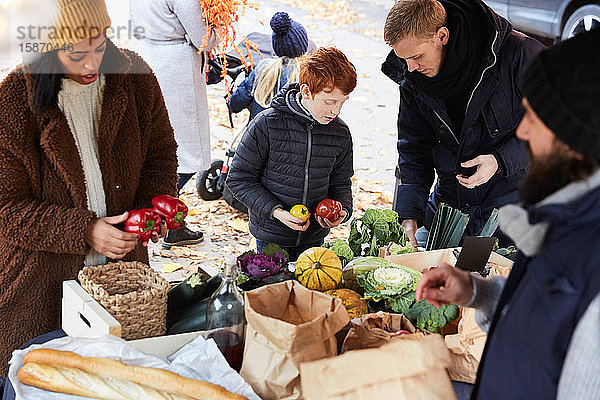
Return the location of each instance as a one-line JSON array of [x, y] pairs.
[[184, 295], [191, 320]]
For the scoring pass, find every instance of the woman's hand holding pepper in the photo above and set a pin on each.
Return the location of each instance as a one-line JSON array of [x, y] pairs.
[[107, 240], [155, 236]]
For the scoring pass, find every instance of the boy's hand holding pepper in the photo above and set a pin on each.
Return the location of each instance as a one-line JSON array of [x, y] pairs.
[[290, 221], [325, 223]]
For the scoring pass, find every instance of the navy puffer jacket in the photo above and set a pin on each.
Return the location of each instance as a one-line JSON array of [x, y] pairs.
[[286, 158], [427, 141]]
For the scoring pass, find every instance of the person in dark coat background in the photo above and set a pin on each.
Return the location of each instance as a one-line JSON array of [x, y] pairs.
[[457, 64], [542, 322], [298, 152]]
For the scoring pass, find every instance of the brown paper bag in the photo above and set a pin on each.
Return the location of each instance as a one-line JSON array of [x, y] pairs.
[[287, 325], [374, 330], [413, 369], [466, 347]]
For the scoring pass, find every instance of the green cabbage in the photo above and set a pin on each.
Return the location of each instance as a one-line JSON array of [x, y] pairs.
[[358, 266], [395, 248], [395, 284], [375, 229], [342, 249]]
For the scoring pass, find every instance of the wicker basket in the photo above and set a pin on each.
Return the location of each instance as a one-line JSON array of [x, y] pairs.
[[133, 293]]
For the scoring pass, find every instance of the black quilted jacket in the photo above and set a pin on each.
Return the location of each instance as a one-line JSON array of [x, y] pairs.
[[285, 158]]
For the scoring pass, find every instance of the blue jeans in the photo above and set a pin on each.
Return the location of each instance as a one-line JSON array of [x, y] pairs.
[[421, 235], [462, 390], [183, 179], [294, 252]]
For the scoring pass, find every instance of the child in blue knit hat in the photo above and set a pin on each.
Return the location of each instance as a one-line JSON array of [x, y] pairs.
[[270, 75]]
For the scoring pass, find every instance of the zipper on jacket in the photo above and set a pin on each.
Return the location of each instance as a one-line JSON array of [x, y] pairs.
[[459, 197], [447, 126], [483, 73], [306, 168]]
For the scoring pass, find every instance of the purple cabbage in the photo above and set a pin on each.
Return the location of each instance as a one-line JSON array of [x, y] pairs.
[[260, 266]]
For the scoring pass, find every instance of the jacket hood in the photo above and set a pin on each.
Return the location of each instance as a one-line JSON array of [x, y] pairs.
[[498, 31], [286, 101]]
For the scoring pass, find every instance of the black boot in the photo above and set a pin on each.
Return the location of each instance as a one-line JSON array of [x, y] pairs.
[[182, 237]]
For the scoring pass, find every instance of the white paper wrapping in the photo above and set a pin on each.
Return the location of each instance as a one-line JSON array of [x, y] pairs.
[[199, 359]]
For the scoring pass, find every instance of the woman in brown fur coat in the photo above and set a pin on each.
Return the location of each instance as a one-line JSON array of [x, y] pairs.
[[84, 137]]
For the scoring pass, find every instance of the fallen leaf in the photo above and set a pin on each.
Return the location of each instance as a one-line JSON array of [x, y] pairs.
[[193, 267], [171, 267], [239, 225]]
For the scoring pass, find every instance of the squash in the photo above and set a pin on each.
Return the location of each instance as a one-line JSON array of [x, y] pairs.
[[319, 268], [355, 305]]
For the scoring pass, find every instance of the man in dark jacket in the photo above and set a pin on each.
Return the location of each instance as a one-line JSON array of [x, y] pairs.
[[457, 63], [298, 152], [542, 322]]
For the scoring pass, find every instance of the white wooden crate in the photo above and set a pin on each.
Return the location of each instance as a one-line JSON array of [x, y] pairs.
[[83, 316], [425, 259]]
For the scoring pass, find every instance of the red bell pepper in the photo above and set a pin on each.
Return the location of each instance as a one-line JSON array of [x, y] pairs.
[[171, 209], [329, 209], [143, 222]]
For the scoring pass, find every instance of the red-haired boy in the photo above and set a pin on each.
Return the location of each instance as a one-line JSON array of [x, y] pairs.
[[298, 152]]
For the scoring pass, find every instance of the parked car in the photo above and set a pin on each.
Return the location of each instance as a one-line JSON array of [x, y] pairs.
[[551, 19]]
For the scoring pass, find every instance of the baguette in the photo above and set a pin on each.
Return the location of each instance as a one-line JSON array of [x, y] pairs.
[[103, 378]]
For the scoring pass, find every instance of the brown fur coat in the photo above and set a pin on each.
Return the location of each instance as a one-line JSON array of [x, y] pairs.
[[43, 203]]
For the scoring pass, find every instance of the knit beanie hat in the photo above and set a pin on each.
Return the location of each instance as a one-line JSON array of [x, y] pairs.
[[562, 85], [76, 20], [289, 37]]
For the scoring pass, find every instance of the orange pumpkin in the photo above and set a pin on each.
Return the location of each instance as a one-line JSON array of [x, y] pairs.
[[355, 305], [319, 268]]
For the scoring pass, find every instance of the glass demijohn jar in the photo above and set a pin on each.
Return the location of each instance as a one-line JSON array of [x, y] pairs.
[[225, 315]]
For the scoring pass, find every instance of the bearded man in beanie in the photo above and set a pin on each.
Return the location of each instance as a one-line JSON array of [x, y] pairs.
[[457, 64], [543, 321]]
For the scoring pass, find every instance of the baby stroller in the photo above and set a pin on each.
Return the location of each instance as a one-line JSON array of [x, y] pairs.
[[211, 183]]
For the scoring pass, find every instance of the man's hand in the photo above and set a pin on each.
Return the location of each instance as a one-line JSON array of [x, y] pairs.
[[445, 285], [325, 223], [290, 221], [410, 228], [486, 164], [103, 237]]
